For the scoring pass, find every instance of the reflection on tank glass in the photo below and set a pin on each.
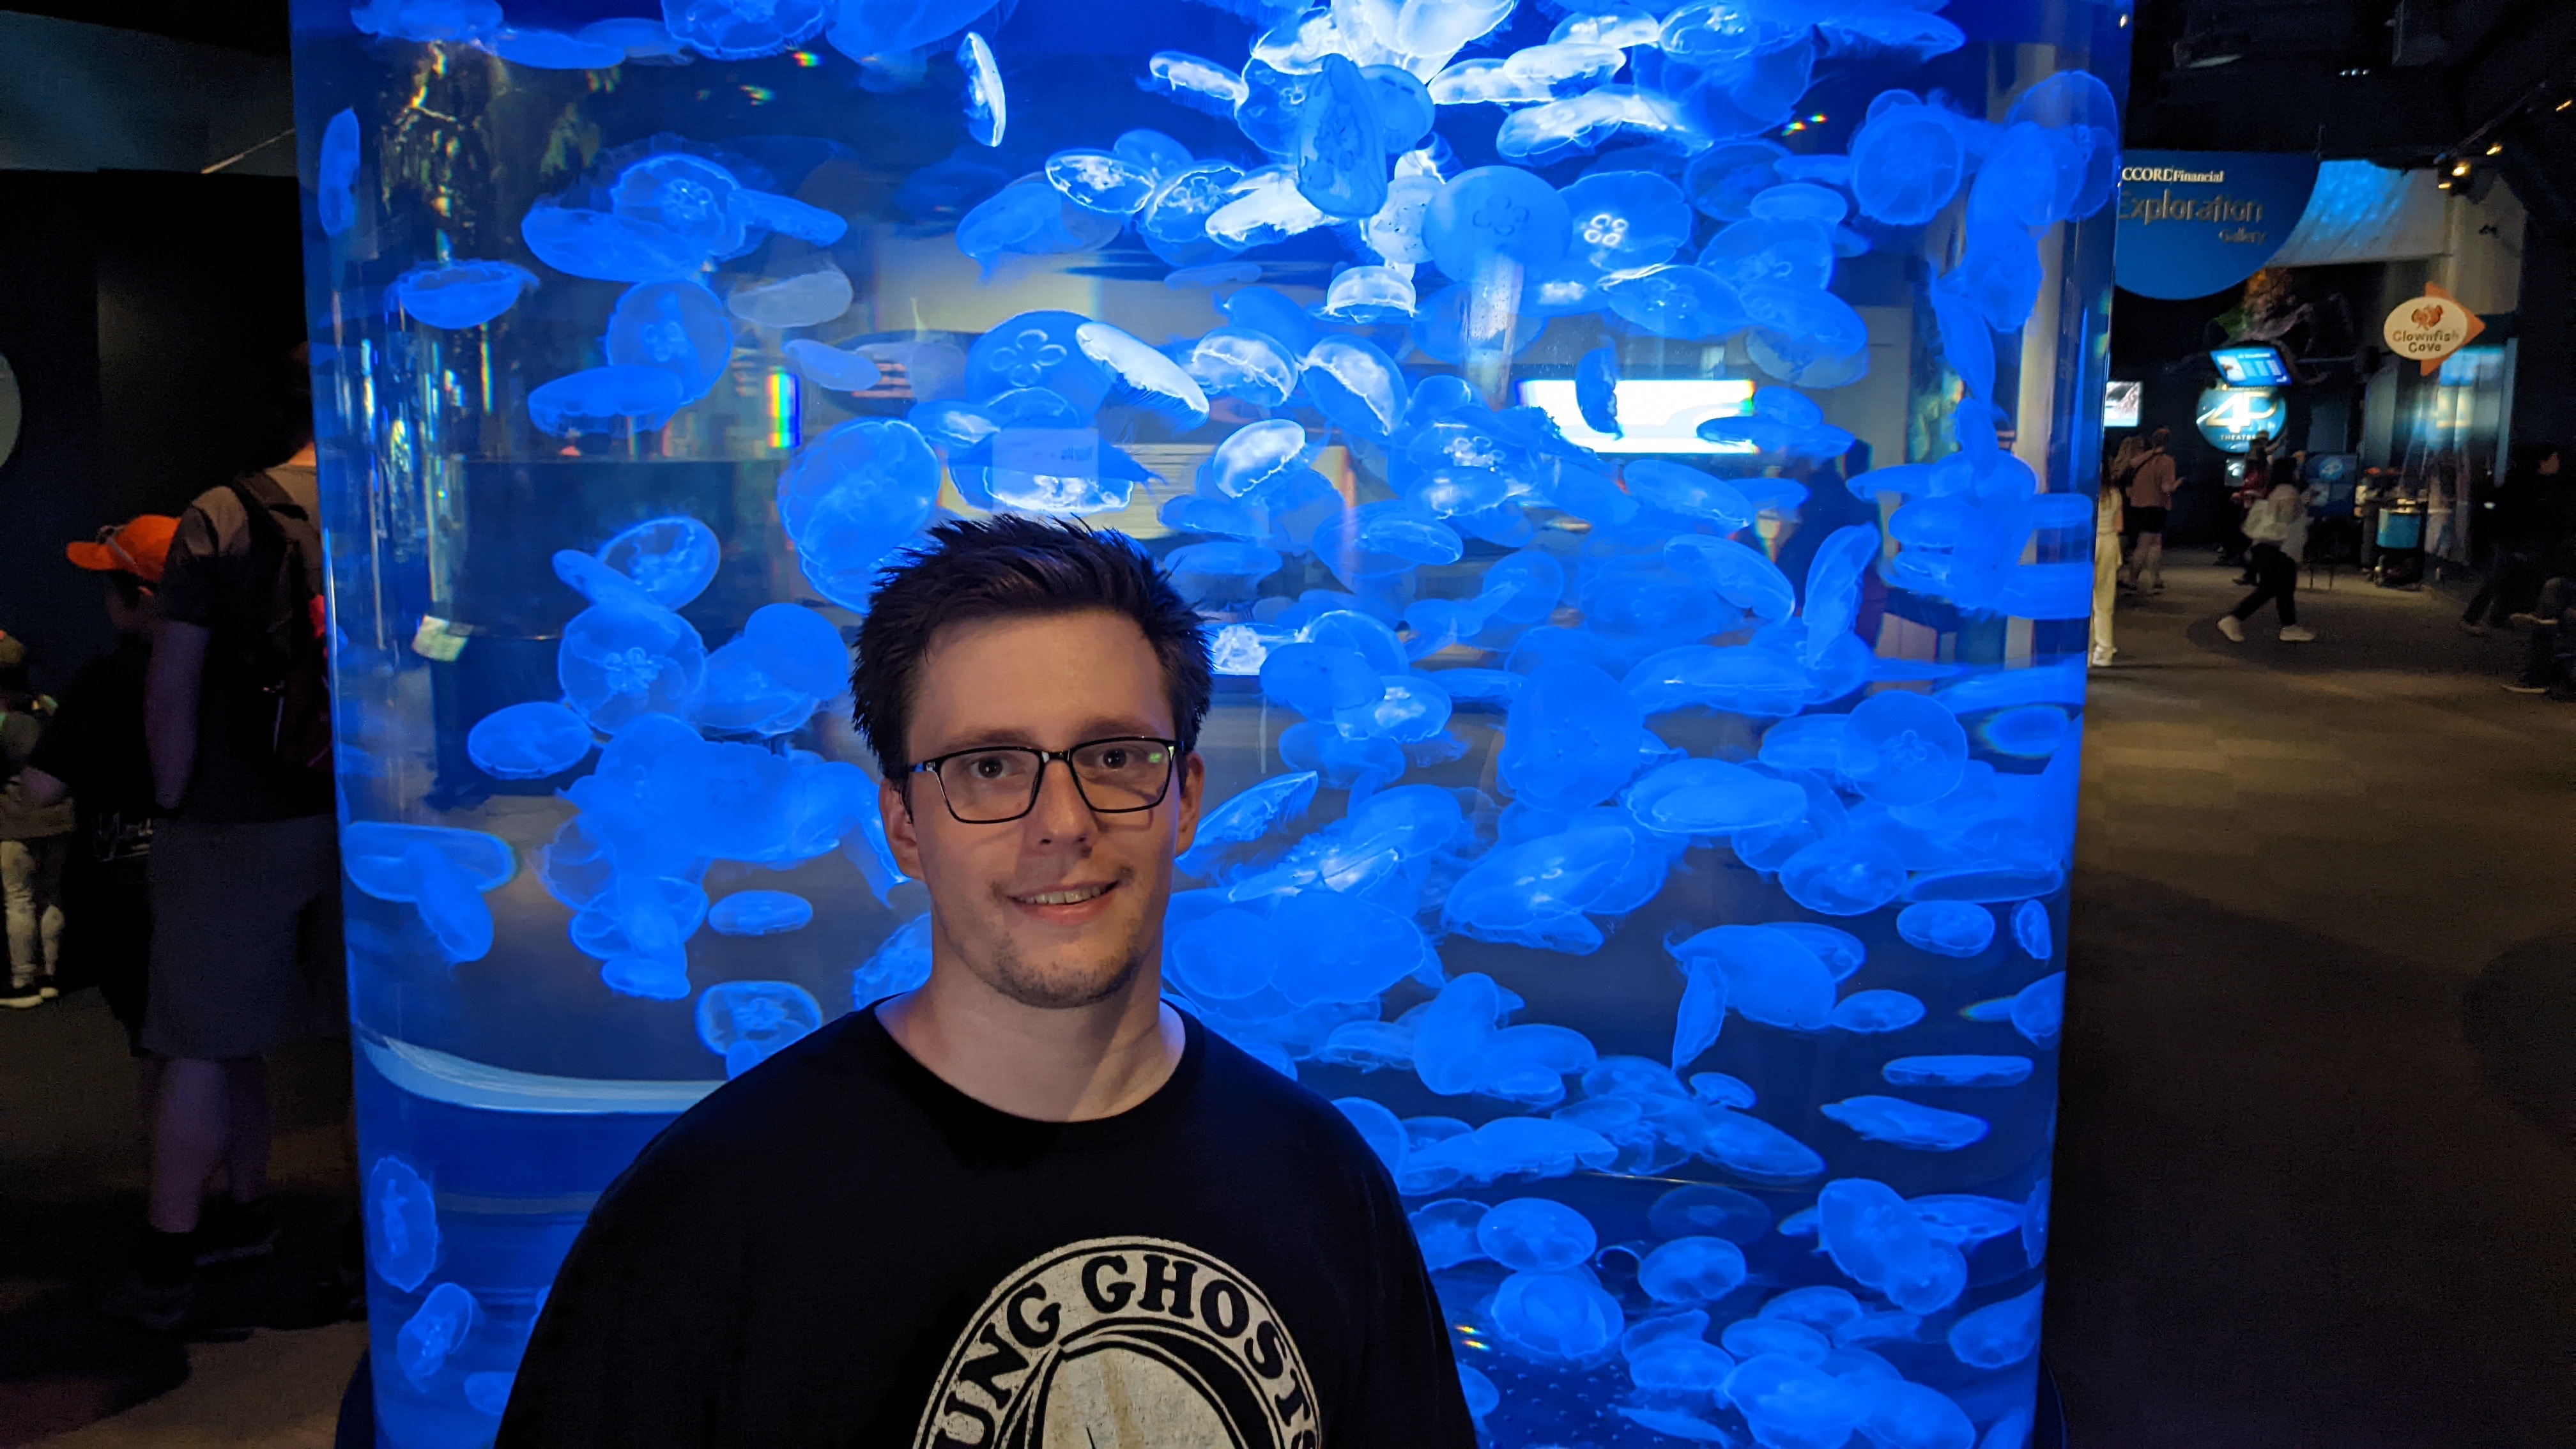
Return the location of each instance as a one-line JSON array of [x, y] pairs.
[[1656, 843]]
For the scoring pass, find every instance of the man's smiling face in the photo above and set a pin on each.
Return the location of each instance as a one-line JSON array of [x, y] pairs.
[[1063, 906]]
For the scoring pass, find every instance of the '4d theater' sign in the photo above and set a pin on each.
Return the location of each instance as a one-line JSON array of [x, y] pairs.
[[2429, 328], [2193, 223], [2231, 418]]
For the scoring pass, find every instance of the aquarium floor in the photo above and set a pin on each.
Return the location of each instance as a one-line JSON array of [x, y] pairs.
[[2314, 1158]]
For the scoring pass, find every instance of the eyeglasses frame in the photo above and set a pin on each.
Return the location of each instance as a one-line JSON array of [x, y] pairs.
[[1037, 787]]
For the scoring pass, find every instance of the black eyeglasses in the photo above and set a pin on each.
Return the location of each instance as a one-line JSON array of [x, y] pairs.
[[997, 783]]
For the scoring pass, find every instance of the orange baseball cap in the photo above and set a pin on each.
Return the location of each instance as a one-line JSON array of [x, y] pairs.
[[140, 547]]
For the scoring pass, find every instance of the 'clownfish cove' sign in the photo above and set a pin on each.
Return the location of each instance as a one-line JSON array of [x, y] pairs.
[[2431, 327], [2193, 223]]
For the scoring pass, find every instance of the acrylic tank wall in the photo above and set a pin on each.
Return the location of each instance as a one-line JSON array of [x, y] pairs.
[[1636, 464]]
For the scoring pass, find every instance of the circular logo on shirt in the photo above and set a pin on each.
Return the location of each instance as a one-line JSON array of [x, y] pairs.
[[1123, 1343]]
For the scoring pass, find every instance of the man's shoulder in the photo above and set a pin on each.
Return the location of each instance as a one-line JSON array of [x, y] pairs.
[[753, 1126], [1274, 1107]]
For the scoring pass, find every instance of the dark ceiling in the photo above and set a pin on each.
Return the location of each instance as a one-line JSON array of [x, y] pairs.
[[258, 26]]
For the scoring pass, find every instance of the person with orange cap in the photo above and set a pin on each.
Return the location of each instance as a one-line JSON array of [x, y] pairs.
[[93, 755]]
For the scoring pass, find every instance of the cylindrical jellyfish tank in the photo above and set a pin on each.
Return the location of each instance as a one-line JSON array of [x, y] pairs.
[[1635, 462]]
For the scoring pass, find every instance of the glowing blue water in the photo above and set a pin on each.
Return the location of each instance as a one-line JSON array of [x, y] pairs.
[[1657, 853]]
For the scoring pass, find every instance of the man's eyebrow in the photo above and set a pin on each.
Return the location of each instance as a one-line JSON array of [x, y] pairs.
[[1102, 728]]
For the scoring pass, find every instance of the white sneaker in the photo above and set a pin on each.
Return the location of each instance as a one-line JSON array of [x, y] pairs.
[[2297, 633], [2101, 658], [2228, 625]]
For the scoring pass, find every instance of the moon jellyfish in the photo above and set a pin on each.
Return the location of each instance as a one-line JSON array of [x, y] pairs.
[[2039, 1009], [1155, 380], [1682, 302], [1904, 1415], [1356, 385], [679, 327], [1625, 219], [988, 112], [1740, 575], [456, 295], [335, 174], [1907, 1124], [759, 913], [597, 399], [1596, 390], [1947, 928], [607, 247], [1501, 212], [745, 29], [1340, 148], [1239, 362], [1843, 875], [1536, 1235], [670, 560], [806, 299], [1195, 80], [747, 1022], [1957, 1071], [1556, 1318], [1679, 488], [528, 741], [830, 367], [1570, 740], [1446, 1231], [1999, 1334], [2031, 931], [489, 1392], [1876, 1011], [434, 1332], [615, 664], [402, 1224], [1365, 296], [1792, 1404], [1711, 797], [1902, 748], [1693, 1269], [1751, 1337], [1707, 1210], [1879, 1241], [2030, 731], [1772, 978]]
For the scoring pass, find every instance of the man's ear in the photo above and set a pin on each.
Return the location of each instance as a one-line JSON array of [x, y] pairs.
[[1193, 790], [900, 833]]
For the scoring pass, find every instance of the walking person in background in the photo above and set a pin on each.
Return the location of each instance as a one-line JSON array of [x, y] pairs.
[[95, 756], [2152, 485], [2107, 530], [2278, 526], [245, 873], [35, 838], [2519, 526]]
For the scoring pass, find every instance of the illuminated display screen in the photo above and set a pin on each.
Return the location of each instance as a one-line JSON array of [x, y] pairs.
[[2122, 403], [1656, 415], [2251, 366]]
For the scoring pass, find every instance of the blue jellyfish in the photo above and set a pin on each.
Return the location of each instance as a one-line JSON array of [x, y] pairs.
[[1319, 680], [671, 560], [1147, 376], [1822, 1307], [378, 857], [1751, 1337], [1536, 1235], [1692, 1269], [2030, 731], [489, 1391], [759, 913], [852, 496], [1195, 81], [1334, 948], [1010, 219], [1877, 1011], [748, 29], [1248, 817], [900, 964], [617, 663], [1907, 162], [1998, 1335], [1356, 385], [1711, 797], [1220, 572], [1557, 1318], [1366, 296], [988, 110], [1688, 303], [1702, 1015], [335, 175], [1843, 875], [1947, 928], [1446, 1232], [801, 299], [434, 1332], [461, 294], [690, 198], [1907, 1124], [1570, 739], [747, 1022], [830, 367], [1964, 1220], [2038, 1010], [1339, 145], [1503, 212], [1878, 1240], [1596, 390], [2031, 931], [1627, 219], [1100, 181], [607, 247], [1481, 1395], [1957, 1071], [1793, 1404], [528, 741], [1707, 1210], [1379, 1128], [1241, 362], [554, 50], [1740, 575], [597, 399], [679, 327], [1902, 748], [402, 1224], [1772, 978], [1345, 762], [1678, 488], [1903, 1415]]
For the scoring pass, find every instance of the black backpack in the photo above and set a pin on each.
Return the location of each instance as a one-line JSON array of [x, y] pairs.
[[279, 666]]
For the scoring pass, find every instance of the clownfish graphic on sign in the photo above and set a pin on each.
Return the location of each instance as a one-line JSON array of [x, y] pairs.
[[1123, 1343], [2431, 327]]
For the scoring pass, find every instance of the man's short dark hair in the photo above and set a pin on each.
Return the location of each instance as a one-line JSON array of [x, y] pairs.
[[1005, 567]]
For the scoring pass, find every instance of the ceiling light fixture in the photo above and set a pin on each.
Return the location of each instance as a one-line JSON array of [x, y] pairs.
[[2460, 169]]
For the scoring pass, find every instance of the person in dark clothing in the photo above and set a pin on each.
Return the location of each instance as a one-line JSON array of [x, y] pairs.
[[1030, 1201], [2549, 660], [2522, 528], [95, 755]]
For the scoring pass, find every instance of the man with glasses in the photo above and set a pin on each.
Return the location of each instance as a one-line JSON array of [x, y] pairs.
[[1028, 1203]]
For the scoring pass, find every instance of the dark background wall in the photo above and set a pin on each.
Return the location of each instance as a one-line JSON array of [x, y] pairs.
[[145, 314]]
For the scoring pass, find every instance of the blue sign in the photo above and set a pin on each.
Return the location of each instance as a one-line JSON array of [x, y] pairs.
[[2233, 417], [2197, 222]]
